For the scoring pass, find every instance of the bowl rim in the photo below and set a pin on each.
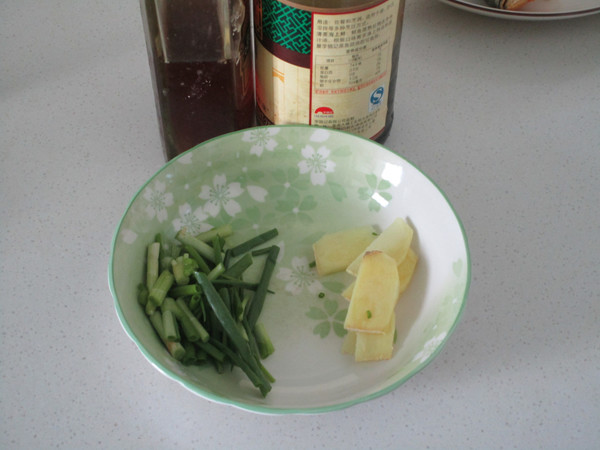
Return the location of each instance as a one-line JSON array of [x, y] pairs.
[[266, 409]]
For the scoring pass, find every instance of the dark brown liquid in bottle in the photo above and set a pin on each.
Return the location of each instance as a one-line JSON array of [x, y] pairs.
[[197, 103], [200, 94]]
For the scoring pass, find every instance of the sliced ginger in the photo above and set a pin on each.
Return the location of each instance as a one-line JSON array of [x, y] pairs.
[[375, 294], [405, 272], [394, 241], [383, 266], [335, 251]]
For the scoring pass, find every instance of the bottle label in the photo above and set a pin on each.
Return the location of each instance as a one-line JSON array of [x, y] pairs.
[[325, 68]]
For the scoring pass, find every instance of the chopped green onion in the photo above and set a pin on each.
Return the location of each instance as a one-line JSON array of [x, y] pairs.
[[258, 300], [218, 270], [170, 305], [222, 230], [152, 258], [205, 250], [159, 289], [217, 251], [170, 326], [237, 269], [211, 350], [178, 270], [142, 296], [185, 290], [256, 375], [174, 348], [254, 242], [192, 328], [261, 251], [197, 257], [214, 318], [235, 283], [265, 346], [229, 326]]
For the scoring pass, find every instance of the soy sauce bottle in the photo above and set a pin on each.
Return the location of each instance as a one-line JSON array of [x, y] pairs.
[[201, 64], [332, 63]]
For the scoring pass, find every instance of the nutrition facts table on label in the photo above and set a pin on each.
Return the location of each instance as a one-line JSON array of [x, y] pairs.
[[351, 52], [341, 73]]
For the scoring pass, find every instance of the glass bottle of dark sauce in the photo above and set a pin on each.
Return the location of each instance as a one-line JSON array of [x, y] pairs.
[[201, 64]]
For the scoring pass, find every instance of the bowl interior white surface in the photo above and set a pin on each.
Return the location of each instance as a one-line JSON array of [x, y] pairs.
[[305, 181]]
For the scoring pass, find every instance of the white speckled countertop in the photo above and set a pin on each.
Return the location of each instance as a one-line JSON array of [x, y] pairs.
[[503, 115]]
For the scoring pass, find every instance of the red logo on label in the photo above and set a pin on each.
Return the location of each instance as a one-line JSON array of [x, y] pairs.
[[325, 110]]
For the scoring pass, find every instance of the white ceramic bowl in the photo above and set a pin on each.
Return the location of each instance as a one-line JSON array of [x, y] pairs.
[[305, 181]]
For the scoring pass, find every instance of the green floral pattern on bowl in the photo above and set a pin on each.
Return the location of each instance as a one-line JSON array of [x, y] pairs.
[[305, 181]]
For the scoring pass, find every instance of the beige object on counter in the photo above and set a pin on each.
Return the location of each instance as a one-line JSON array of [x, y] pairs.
[[508, 4]]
